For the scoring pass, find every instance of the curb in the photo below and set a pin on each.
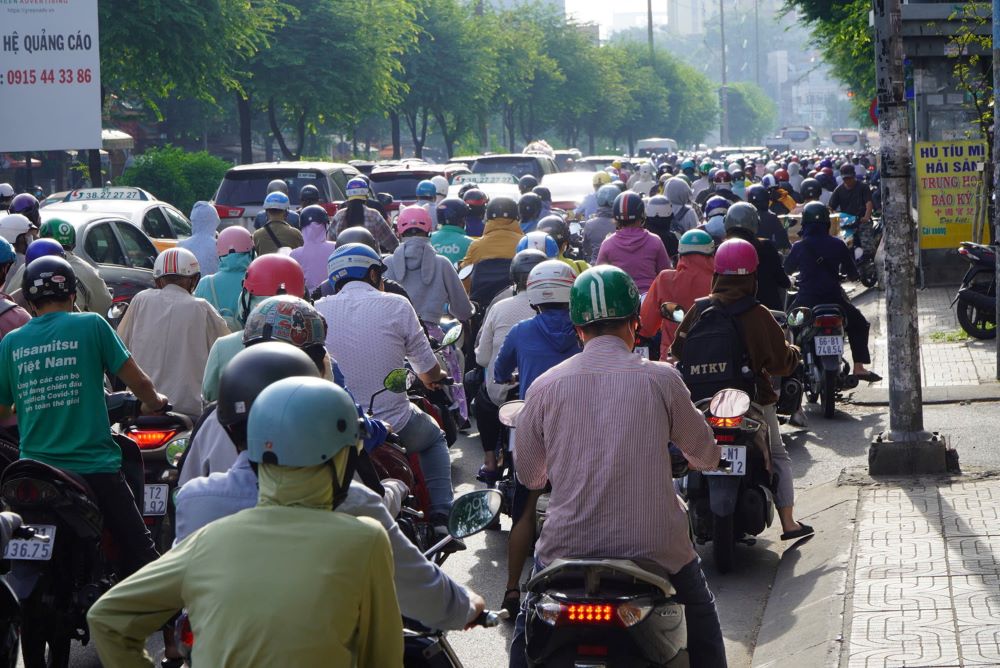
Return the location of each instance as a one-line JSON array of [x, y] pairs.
[[945, 394]]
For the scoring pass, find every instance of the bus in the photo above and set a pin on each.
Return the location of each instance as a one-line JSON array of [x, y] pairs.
[[856, 140], [647, 147], [800, 137]]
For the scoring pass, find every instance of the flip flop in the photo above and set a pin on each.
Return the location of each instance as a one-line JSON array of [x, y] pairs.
[[869, 376], [803, 531]]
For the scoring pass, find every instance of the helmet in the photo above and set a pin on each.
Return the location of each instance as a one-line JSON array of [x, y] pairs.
[[233, 239], [769, 181], [42, 247], [352, 261], [523, 263], [302, 422], [502, 207], [742, 215], [357, 189], [815, 213], [606, 195], [63, 232], [687, 164], [550, 282], [601, 178], [618, 183], [251, 370], [757, 195], [646, 169], [526, 183], [735, 257], [7, 254], [274, 274], [48, 276], [825, 170], [706, 167], [543, 192], [628, 207], [477, 201], [6, 191], [696, 242], [312, 215], [604, 292], [716, 206], [357, 235], [825, 163], [426, 190], [658, 206], [176, 262], [285, 318], [413, 218], [529, 206], [308, 194], [276, 200], [810, 189], [722, 176], [27, 205], [14, 225], [539, 241], [277, 186], [453, 211], [556, 228], [781, 175], [440, 185]]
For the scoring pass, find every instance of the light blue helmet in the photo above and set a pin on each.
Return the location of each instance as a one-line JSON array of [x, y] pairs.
[[606, 195], [276, 200], [6, 252], [351, 261], [539, 241], [426, 189], [302, 421]]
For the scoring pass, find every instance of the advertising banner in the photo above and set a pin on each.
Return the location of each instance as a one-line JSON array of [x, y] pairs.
[[948, 179], [50, 76]]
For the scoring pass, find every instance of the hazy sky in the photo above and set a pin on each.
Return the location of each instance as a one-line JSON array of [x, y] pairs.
[[600, 10]]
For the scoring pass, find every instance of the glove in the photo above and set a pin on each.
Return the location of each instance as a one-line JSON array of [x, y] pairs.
[[9, 523], [377, 432], [395, 492]]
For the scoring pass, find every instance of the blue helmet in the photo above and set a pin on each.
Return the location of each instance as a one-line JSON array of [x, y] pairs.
[[426, 190], [351, 261], [539, 240], [276, 200], [313, 213], [606, 195], [6, 252], [687, 164], [41, 247]]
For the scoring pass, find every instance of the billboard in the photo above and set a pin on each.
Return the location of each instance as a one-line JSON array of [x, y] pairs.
[[948, 180]]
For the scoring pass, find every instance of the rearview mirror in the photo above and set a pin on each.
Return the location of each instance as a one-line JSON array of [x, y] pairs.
[[117, 310], [575, 229], [800, 316], [473, 512], [509, 412], [398, 381], [466, 271], [730, 403], [452, 336]]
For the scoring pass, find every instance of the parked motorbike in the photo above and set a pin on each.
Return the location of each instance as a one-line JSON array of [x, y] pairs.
[[819, 333], [976, 297], [864, 250]]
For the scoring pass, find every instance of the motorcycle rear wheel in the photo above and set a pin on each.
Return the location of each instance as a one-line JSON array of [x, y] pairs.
[[976, 324], [869, 276], [829, 394], [723, 543]]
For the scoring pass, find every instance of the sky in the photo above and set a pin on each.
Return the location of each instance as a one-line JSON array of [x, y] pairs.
[[600, 11]]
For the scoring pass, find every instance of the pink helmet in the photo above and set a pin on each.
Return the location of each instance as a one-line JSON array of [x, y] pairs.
[[736, 257], [413, 217], [233, 239]]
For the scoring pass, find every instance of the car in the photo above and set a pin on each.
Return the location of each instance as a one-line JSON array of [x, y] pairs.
[[161, 222], [499, 184], [516, 164], [569, 188], [401, 181], [117, 247], [244, 187], [600, 162], [53, 199]]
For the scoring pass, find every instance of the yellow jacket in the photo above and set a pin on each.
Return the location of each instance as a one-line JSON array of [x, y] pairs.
[[499, 240]]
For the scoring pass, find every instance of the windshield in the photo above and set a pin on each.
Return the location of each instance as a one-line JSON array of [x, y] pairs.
[[249, 187], [844, 138], [796, 135], [400, 186], [511, 165]]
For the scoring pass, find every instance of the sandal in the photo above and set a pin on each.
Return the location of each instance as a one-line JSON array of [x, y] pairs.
[[488, 476], [512, 602], [868, 376], [803, 531]]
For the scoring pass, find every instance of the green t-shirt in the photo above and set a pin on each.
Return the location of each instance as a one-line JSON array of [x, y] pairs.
[[54, 372]]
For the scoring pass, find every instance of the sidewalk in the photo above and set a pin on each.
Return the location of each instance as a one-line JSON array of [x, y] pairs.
[[952, 368], [908, 574]]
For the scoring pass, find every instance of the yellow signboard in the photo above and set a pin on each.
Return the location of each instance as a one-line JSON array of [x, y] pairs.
[[948, 179]]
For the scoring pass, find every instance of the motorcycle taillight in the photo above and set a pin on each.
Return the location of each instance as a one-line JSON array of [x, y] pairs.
[[828, 321], [28, 492], [150, 439], [567, 613]]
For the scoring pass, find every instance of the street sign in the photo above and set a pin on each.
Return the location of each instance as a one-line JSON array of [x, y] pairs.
[[50, 80], [873, 110], [948, 178]]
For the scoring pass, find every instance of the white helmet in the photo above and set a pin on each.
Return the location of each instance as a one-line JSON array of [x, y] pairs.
[[176, 262], [441, 185], [14, 225], [658, 206], [550, 282], [6, 190], [646, 169]]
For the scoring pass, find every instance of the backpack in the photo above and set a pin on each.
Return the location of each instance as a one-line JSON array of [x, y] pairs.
[[5, 306], [715, 352], [227, 313]]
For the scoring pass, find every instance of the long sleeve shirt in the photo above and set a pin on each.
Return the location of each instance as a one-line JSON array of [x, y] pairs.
[[597, 427]]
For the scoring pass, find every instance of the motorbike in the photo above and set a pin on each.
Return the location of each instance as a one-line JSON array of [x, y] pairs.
[[864, 253], [736, 501], [976, 297], [440, 403], [788, 388], [819, 333]]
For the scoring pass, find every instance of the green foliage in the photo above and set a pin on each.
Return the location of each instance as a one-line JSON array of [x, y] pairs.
[[176, 176], [752, 114], [972, 68]]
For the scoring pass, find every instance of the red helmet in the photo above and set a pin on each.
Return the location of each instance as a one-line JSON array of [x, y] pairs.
[[735, 257], [781, 174], [413, 218], [722, 176], [274, 274], [233, 239], [826, 170]]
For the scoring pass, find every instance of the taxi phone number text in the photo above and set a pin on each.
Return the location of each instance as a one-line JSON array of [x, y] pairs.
[[60, 76]]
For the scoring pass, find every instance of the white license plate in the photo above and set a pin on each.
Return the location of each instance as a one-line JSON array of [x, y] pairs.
[[642, 351], [829, 345], [736, 455], [33, 549], [154, 499]]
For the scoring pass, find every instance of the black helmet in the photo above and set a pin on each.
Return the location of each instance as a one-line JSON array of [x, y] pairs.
[[308, 194], [357, 235], [477, 201], [816, 213], [313, 213], [453, 211], [251, 370], [526, 183], [529, 206], [556, 228], [543, 192], [810, 189], [758, 196], [48, 276], [628, 207], [742, 215], [501, 207], [523, 263]]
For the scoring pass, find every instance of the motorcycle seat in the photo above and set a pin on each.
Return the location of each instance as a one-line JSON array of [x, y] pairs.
[[827, 309], [31, 468], [592, 570]]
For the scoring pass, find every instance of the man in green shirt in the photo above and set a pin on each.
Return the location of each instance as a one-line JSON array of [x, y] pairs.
[[450, 239], [53, 374]]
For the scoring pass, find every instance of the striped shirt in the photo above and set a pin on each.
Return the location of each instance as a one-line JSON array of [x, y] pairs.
[[597, 427]]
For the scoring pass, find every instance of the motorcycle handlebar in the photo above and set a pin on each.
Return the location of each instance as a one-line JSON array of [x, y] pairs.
[[490, 618]]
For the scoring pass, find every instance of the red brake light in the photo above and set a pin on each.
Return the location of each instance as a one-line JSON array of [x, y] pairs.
[[828, 321], [229, 211], [149, 439], [585, 613], [727, 423], [725, 438]]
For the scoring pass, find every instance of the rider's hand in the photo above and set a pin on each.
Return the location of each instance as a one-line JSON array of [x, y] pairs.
[[478, 605], [432, 379], [161, 403], [9, 523], [395, 492]]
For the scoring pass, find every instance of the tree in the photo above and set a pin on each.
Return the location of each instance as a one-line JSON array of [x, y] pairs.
[[752, 114]]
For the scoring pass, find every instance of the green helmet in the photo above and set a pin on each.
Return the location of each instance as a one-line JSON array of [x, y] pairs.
[[59, 230], [602, 293], [696, 242], [301, 421], [816, 213]]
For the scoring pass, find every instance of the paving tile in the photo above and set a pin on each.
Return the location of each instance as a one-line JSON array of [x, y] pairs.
[[907, 638], [976, 600], [980, 645], [885, 594], [874, 528], [974, 555]]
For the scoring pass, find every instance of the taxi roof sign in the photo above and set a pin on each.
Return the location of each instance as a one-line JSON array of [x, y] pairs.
[[112, 193]]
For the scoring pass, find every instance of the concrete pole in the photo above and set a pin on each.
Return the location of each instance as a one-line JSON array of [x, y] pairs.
[[756, 41], [996, 166], [649, 28], [723, 93]]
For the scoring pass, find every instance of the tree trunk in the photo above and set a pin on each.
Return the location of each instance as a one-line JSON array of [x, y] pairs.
[[301, 132], [631, 141], [246, 136], [94, 155], [354, 141], [449, 138], [272, 119], [396, 149], [590, 142]]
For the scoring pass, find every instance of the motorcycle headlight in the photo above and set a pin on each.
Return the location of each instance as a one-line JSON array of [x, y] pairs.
[[175, 449]]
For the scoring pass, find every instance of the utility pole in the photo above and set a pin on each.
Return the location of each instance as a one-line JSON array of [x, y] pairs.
[[649, 28], [907, 447], [756, 41], [996, 166], [723, 93]]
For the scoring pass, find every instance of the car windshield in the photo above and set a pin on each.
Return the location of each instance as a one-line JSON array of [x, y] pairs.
[[400, 186], [249, 187], [511, 165]]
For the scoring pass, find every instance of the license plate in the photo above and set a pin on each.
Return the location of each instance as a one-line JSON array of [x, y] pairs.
[[32, 549], [642, 351], [154, 499], [736, 455], [829, 345]]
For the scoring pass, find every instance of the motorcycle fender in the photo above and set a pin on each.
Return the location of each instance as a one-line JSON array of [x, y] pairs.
[[830, 363], [23, 577], [723, 492], [977, 299]]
